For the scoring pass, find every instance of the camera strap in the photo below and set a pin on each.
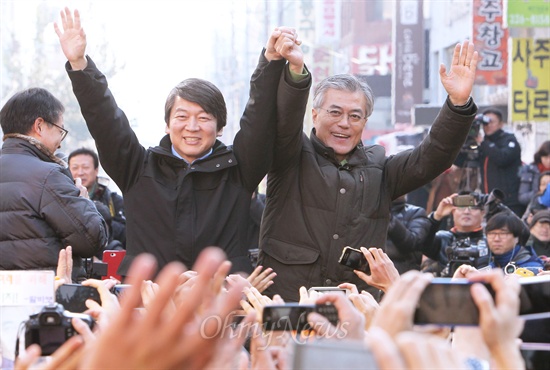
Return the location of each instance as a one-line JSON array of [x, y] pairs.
[[21, 326]]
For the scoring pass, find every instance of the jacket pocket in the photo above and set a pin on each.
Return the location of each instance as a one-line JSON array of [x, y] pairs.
[[289, 254]]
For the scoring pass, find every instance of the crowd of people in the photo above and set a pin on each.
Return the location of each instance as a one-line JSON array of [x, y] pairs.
[[325, 191]]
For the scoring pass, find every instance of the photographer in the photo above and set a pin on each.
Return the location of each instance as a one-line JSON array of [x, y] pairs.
[[498, 157], [464, 244]]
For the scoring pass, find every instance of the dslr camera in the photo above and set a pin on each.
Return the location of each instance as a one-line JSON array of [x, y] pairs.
[[464, 252], [51, 327]]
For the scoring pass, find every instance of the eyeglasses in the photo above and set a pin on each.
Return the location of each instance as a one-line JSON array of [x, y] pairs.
[[63, 131], [493, 235], [337, 115], [469, 208]]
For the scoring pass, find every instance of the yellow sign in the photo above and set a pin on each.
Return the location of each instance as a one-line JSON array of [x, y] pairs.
[[530, 92]]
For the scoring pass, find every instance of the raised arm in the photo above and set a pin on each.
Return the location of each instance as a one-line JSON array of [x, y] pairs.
[[72, 39]]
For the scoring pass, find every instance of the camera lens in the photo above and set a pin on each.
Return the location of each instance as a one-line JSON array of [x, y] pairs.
[[510, 269]]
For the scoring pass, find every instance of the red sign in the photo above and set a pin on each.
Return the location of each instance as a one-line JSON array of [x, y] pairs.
[[491, 42]]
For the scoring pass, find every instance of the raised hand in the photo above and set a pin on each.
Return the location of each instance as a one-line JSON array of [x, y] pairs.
[[284, 44], [397, 308], [72, 39], [458, 82], [261, 280], [64, 267], [383, 272], [351, 325]]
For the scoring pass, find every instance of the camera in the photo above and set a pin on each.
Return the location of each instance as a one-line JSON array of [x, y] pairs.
[[51, 327], [464, 252], [471, 148]]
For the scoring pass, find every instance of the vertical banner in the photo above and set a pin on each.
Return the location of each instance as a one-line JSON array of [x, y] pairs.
[[491, 42], [408, 46], [530, 92], [327, 36]]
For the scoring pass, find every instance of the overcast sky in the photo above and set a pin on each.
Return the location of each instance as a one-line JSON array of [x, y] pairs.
[[159, 42]]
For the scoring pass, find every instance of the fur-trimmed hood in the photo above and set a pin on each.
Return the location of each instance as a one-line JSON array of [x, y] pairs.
[[38, 146]]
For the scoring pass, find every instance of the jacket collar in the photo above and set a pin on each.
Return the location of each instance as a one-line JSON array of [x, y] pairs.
[[37, 147]]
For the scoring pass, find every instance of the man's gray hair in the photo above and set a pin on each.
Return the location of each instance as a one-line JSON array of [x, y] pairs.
[[343, 82]]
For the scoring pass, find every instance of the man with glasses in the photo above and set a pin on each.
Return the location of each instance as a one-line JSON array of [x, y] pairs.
[[41, 209], [464, 243], [328, 191], [503, 234]]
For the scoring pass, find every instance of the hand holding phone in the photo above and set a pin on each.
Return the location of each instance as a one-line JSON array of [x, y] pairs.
[[449, 302], [354, 259], [73, 296], [464, 201]]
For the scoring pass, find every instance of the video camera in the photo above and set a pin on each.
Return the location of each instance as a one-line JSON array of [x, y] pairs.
[[471, 147], [466, 252], [51, 327]]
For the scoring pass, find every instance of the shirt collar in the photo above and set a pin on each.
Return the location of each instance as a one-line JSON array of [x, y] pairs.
[[186, 161]]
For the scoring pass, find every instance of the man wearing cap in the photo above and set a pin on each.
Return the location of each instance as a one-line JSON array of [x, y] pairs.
[[540, 236], [452, 248]]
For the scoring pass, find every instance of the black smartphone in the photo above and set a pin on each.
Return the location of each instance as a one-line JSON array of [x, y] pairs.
[[332, 354], [293, 316], [73, 296], [464, 201], [355, 259], [118, 289], [448, 302], [534, 297]]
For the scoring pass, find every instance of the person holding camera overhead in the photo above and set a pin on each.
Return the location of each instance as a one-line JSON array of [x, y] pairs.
[[500, 160], [464, 244]]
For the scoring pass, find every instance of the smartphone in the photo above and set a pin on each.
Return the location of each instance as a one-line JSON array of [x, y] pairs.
[[534, 297], [355, 259], [73, 296], [113, 258], [293, 316], [332, 354], [464, 201], [329, 289], [118, 290], [448, 303]]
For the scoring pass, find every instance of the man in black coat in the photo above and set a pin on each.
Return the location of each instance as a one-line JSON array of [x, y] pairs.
[[328, 191], [191, 191], [500, 160]]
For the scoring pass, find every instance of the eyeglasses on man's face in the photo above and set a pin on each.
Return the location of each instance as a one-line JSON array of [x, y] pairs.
[[336, 115], [500, 234], [469, 208], [64, 132]]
